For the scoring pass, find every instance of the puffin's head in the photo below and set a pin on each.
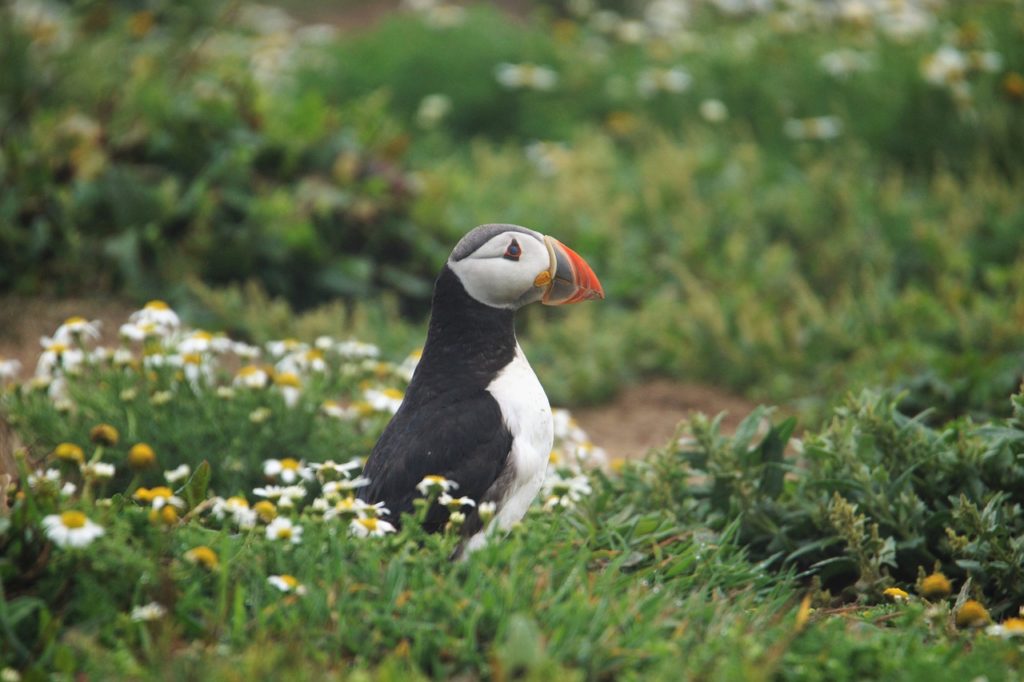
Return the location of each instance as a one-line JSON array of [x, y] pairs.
[[508, 266]]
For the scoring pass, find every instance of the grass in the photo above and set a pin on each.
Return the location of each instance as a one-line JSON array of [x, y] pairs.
[[825, 231], [655, 569]]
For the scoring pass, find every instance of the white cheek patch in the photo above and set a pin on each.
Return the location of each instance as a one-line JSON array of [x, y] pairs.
[[500, 282]]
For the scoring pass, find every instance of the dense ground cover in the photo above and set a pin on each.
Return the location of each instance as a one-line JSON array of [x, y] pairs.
[[782, 200], [790, 199], [185, 505]]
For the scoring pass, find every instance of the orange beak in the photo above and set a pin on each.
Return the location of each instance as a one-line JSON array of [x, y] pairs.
[[570, 279]]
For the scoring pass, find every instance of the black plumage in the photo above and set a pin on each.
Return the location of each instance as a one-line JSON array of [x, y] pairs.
[[448, 424]]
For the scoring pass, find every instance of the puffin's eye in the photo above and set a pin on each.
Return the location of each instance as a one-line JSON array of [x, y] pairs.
[[514, 251]]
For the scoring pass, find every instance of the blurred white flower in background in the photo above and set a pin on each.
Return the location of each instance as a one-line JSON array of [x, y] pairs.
[[673, 80], [526, 76], [946, 66], [813, 128], [842, 63], [666, 17], [547, 157], [150, 612], [713, 111], [432, 110], [9, 369]]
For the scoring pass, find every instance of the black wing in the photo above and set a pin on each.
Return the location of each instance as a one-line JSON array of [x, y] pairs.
[[458, 435]]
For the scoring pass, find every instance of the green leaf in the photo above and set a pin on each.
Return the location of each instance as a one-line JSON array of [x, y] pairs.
[[773, 449], [18, 609], [194, 490]]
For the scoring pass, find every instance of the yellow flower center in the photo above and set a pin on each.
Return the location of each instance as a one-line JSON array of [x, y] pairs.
[[369, 524], [266, 510], [104, 434], [289, 580], [168, 514], [284, 533], [157, 305], [314, 354], [289, 463], [69, 452], [57, 348], [192, 359], [936, 585], [895, 593], [1014, 624], [972, 614], [288, 379], [347, 504], [73, 519], [202, 335], [249, 370], [76, 320], [204, 556], [393, 393], [141, 456], [238, 502]]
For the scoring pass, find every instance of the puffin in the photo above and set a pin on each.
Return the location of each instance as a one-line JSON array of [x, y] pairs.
[[474, 411]]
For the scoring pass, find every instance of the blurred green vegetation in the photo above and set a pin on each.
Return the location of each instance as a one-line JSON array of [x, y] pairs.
[[789, 202]]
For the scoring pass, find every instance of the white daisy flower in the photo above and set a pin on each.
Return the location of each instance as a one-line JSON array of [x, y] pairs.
[[286, 496], [455, 503], [486, 511], [198, 341], [282, 528], [58, 356], [383, 400], [252, 376], [76, 329], [290, 386], [370, 527], [946, 66], [346, 506], [285, 346], [237, 508], [159, 315], [287, 583], [288, 470], [179, 473], [357, 350], [334, 409], [435, 484], [245, 351], [331, 470], [9, 369], [98, 471], [150, 612], [1009, 628], [71, 529], [40, 478], [561, 491]]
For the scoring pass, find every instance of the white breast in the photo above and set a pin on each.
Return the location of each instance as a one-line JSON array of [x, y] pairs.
[[527, 414]]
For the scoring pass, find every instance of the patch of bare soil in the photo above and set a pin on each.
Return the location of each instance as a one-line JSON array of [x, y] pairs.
[[646, 415]]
